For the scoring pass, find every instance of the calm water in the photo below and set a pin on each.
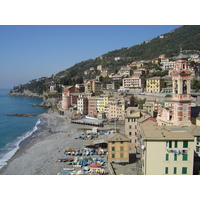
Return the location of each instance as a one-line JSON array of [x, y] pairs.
[[12, 128]]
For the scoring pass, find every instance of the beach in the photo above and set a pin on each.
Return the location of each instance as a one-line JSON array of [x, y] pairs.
[[39, 156]]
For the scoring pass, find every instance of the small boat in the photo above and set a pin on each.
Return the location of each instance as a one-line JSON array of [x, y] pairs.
[[68, 169], [64, 172]]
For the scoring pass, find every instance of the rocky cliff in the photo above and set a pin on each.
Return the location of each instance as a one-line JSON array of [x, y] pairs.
[[25, 93]]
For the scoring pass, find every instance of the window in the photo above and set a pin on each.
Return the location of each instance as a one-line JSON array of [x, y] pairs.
[[113, 142], [113, 155], [113, 148], [130, 133], [169, 144], [167, 157], [197, 149], [175, 170], [175, 144], [185, 144], [121, 148], [130, 120], [185, 157], [121, 155], [166, 170], [130, 127], [184, 170], [175, 157]]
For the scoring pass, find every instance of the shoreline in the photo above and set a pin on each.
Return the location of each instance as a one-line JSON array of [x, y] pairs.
[[38, 154]]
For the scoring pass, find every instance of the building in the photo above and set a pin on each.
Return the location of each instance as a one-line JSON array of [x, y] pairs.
[[133, 82], [100, 67], [154, 84], [92, 106], [111, 86], [139, 72], [115, 109], [93, 86], [125, 72], [104, 73], [166, 150], [102, 101], [82, 105], [181, 96], [67, 98], [118, 148], [131, 117]]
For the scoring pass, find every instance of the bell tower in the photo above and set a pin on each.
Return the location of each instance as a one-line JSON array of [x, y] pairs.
[[181, 97]]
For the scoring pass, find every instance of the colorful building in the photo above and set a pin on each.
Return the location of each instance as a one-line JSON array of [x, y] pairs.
[[154, 84], [118, 148]]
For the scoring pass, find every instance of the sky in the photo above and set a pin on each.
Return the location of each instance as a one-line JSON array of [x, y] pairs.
[[32, 51]]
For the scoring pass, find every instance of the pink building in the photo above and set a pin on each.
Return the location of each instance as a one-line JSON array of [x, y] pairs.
[[92, 106], [67, 98]]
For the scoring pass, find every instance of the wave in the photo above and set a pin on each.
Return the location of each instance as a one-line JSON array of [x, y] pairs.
[[11, 148]]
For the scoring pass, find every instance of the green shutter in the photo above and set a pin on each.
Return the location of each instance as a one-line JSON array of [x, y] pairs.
[[185, 157], [175, 169], [185, 144], [167, 157], [175, 144], [170, 144], [113, 148], [166, 170], [184, 170], [175, 157], [113, 155]]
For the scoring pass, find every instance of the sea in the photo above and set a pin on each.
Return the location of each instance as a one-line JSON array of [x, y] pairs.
[[14, 129]]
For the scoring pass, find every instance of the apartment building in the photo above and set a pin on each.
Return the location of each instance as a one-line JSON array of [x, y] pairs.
[[154, 84], [133, 82], [82, 105], [92, 106], [131, 117], [93, 86], [118, 148], [166, 150]]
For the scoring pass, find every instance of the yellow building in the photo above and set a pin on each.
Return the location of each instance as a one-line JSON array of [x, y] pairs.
[[154, 84], [166, 150], [118, 148], [102, 101]]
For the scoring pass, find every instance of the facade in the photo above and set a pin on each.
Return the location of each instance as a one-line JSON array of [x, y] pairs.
[[118, 148], [139, 72], [115, 109], [133, 82], [67, 99], [92, 106], [131, 117], [82, 105], [104, 73], [111, 86], [154, 84], [102, 101], [126, 72], [166, 151]]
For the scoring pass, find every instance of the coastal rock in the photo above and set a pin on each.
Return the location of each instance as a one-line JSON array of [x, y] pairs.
[[25, 93], [22, 115]]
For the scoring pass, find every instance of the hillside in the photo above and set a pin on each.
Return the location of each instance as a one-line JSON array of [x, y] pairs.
[[187, 37]]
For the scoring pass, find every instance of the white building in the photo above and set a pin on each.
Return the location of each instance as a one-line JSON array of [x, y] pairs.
[[82, 106]]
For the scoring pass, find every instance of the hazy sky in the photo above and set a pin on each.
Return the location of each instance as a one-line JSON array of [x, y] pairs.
[[29, 52]]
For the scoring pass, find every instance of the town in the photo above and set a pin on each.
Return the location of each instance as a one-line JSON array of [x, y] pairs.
[[156, 119]]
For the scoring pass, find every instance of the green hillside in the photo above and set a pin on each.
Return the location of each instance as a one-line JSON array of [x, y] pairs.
[[187, 37]]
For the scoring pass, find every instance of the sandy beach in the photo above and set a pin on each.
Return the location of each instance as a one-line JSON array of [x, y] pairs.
[[40, 155]]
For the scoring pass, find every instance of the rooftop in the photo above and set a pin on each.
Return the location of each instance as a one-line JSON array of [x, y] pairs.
[[150, 131]]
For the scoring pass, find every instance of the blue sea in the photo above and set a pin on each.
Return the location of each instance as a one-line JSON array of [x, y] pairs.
[[14, 129]]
